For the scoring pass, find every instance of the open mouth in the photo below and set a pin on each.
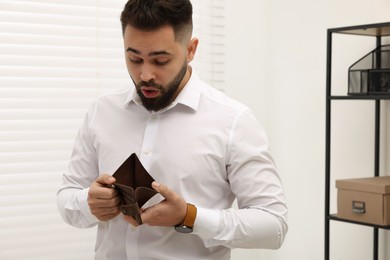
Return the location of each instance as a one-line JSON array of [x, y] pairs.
[[150, 92]]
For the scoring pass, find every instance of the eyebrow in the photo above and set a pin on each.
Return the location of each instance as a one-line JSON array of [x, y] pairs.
[[153, 53]]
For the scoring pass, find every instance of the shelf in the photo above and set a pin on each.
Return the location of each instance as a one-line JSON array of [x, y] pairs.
[[334, 217], [360, 97], [378, 29]]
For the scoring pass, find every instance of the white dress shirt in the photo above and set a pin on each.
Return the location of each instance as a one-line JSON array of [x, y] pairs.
[[206, 147]]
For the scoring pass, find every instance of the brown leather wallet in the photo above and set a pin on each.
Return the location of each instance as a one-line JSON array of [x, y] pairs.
[[133, 184]]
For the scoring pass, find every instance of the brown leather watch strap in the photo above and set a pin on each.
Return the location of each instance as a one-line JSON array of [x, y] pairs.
[[190, 217]]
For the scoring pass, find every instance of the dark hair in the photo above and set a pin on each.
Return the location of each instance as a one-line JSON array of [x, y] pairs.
[[152, 14]]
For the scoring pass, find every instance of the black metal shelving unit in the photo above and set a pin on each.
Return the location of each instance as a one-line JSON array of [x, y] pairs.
[[378, 31]]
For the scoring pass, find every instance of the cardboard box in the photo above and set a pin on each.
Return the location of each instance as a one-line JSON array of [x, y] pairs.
[[365, 200]]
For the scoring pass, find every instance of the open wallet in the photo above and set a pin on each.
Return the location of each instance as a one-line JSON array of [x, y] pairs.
[[133, 184]]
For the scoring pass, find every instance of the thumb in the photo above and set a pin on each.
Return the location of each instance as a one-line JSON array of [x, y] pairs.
[[163, 190], [105, 179]]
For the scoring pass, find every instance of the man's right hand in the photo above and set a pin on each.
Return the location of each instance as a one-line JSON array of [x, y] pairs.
[[103, 199]]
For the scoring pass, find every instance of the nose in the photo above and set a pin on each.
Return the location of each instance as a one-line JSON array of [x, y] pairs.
[[147, 73]]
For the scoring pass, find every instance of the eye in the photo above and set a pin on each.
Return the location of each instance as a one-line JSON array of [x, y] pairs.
[[135, 60], [161, 62]]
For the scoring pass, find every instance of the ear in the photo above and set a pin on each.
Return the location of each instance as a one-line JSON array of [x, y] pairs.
[[191, 49]]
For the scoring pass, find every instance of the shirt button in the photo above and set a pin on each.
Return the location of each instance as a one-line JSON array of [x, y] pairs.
[[147, 151], [154, 116]]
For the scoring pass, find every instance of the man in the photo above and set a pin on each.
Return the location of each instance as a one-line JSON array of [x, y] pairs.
[[203, 149]]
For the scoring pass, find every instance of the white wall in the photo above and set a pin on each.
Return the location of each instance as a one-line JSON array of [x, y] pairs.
[[276, 65]]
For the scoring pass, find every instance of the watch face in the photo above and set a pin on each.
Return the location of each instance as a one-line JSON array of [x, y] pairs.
[[183, 229]]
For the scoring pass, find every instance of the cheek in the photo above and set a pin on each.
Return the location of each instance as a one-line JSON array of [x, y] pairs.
[[171, 72], [132, 70], [165, 77]]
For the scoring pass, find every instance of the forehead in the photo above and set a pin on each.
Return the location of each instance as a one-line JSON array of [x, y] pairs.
[[149, 41]]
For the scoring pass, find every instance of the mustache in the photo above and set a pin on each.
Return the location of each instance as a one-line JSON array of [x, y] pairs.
[[150, 83]]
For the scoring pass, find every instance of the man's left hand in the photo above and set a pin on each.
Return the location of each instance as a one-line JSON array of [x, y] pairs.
[[169, 212]]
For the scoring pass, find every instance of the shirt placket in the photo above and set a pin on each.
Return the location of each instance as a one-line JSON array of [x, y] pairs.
[[149, 140], [145, 156]]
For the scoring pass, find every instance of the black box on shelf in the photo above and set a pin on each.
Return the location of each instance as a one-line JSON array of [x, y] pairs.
[[371, 73]]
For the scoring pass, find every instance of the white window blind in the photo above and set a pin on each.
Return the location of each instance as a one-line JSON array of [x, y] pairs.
[[56, 56], [209, 27]]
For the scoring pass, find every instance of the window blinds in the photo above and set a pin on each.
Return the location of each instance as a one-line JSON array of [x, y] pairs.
[[56, 56], [209, 27]]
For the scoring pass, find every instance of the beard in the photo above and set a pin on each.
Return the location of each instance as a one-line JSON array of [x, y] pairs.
[[167, 94]]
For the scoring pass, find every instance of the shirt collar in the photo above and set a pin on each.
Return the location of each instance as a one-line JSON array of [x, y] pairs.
[[189, 95]]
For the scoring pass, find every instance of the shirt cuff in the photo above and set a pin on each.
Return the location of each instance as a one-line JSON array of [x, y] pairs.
[[207, 223], [82, 198]]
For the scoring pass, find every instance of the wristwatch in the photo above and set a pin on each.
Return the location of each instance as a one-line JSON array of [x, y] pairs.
[[189, 220]]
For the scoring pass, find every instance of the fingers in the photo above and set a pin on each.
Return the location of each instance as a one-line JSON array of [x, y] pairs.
[[169, 212], [97, 191], [104, 209], [105, 214], [106, 199], [103, 199], [105, 180], [131, 220]]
